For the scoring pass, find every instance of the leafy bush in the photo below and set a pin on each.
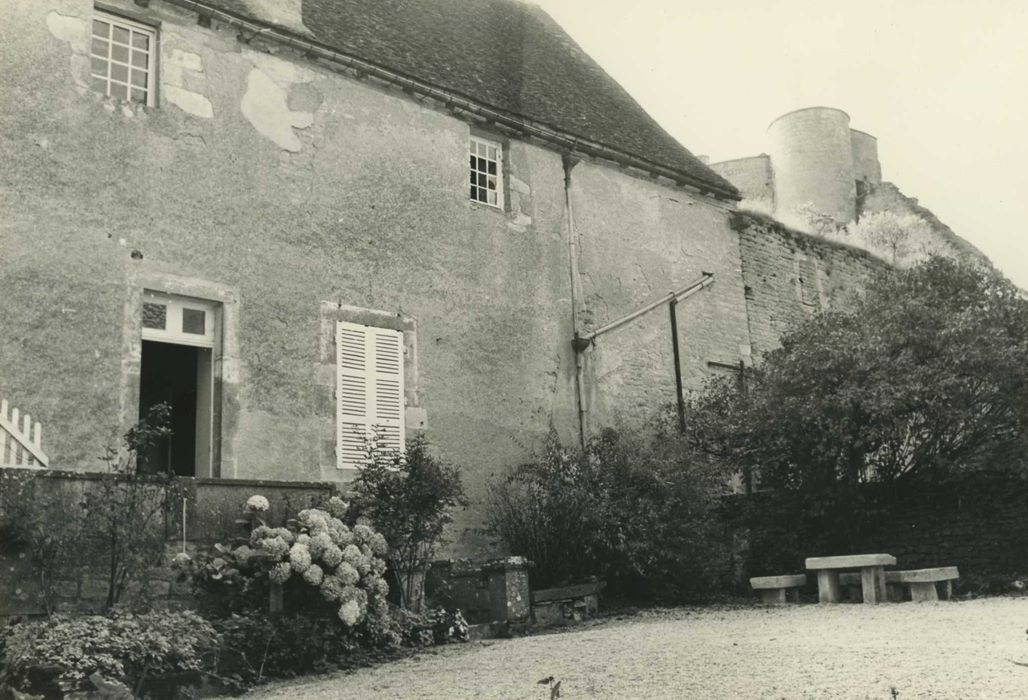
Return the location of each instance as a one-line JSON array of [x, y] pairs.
[[409, 497], [635, 509], [123, 647], [925, 377]]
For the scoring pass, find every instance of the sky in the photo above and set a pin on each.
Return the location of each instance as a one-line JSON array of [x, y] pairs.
[[942, 84]]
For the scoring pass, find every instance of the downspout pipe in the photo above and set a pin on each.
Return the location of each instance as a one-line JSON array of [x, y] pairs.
[[576, 303]]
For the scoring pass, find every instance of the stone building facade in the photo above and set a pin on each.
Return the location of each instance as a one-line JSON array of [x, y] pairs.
[[259, 181]]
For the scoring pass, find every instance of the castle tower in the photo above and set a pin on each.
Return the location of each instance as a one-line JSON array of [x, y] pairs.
[[812, 160], [865, 158]]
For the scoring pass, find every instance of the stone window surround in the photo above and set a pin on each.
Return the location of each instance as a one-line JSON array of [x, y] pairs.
[[414, 416], [226, 357]]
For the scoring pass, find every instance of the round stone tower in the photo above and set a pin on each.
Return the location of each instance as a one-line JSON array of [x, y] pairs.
[[865, 158], [812, 162]]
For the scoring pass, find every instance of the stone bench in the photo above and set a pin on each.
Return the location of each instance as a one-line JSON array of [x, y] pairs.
[[922, 583], [778, 590], [872, 575]]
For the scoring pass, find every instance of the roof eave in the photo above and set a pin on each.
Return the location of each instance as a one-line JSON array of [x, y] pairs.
[[457, 101]]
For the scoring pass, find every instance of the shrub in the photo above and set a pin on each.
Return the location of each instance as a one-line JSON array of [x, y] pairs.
[[636, 509], [123, 647], [924, 378], [409, 497]]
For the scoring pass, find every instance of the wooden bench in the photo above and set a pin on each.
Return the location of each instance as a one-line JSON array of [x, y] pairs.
[[872, 575], [778, 590]]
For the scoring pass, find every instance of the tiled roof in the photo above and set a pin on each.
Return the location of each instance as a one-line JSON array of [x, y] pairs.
[[504, 54]]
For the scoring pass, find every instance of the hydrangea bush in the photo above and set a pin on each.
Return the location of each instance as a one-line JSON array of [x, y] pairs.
[[317, 550]]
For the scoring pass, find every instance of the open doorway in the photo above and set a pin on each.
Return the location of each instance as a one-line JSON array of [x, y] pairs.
[[177, 369]]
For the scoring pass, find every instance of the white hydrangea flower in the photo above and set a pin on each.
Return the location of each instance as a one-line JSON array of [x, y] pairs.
[[257, 504], [363, 533], [332, 588], [319, 543], [347, 574], [350, 613], [332, 556], [337, 507], [352, 554], [280, 573], [275, 547], [313, 575], [299, 558], [378, 544]]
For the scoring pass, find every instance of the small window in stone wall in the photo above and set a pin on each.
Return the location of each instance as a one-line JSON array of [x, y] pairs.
[[121, 58], [486, 171]]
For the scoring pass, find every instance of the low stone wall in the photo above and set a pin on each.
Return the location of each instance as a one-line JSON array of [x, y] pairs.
[[492, 591], [977, 522], [212, 508]]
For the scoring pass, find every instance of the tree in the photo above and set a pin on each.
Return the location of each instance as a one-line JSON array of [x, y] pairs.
[[926, 375], [409, 497], [899, 239]]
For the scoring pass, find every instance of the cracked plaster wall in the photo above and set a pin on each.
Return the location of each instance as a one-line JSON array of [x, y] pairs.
[[296, 187]]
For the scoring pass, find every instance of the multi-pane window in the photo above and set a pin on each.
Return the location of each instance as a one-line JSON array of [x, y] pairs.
[[486, 172], [122, 58], [179, 320], [369, 392]]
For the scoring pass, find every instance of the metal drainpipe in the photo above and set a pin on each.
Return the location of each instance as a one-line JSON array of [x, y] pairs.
[[576, 300], [672, 306]]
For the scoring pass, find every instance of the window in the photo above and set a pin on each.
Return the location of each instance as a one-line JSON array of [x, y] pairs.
[[179, 320], [486, 172], [369, 391], [122, 58]]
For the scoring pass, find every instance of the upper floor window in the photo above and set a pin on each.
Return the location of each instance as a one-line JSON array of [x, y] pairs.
[[122, 58], [486, 172]]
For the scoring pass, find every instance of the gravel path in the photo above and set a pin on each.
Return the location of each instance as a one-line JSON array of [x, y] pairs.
[[928, 650]]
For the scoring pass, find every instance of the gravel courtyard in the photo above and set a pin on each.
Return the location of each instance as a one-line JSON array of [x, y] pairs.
[[928, 650]]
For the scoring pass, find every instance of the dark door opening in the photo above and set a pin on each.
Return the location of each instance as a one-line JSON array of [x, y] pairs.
[[178, 375]]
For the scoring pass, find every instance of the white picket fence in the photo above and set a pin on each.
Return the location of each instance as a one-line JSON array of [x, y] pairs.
[[21, 440]]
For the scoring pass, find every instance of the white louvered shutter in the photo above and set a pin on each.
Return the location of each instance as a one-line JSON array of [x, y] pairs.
[[369, 390]]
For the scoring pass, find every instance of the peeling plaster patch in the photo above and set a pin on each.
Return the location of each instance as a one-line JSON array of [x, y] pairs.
[[179, 68], [72, 31], [265, 103], [68, 29], [189, 102], [283, 73]]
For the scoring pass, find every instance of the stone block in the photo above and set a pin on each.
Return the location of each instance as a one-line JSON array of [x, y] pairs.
[[159, 587]]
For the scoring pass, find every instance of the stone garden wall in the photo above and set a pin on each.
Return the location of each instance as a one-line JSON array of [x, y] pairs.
[[978, 523], [212, 507]]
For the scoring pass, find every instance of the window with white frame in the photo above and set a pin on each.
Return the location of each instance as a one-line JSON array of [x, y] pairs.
[[369, 392], [121, 58], [180, 320], [486, 171]]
